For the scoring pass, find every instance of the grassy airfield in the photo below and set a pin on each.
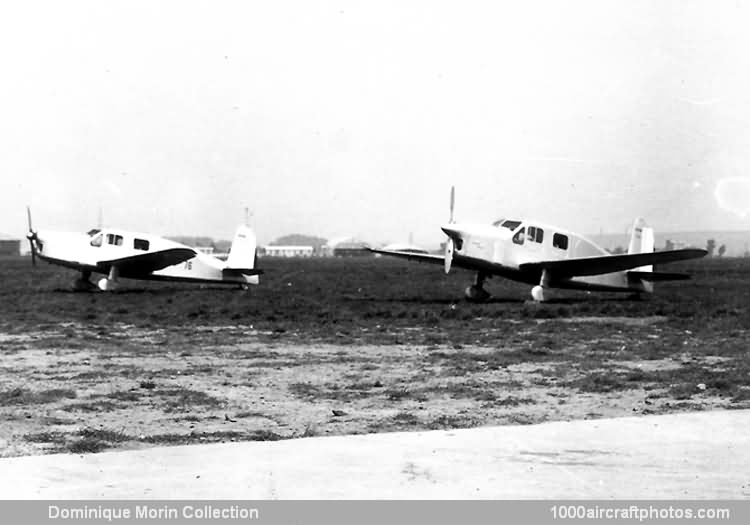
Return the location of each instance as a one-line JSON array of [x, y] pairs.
[[346, 346]]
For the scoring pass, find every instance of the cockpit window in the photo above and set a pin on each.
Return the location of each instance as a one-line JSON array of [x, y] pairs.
[[519, 237], [114, 239], [93, 232], [97, 241], [536, 234]]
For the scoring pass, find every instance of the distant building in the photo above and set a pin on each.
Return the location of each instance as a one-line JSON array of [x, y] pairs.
[[680, 245], [288, 251], [10, 246], [346, 247], [298, 239]]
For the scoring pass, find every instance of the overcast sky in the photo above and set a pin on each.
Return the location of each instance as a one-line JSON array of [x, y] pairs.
[[355, 118]]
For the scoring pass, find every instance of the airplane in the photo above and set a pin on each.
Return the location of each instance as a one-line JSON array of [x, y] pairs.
[[549, 257], [117, 253]]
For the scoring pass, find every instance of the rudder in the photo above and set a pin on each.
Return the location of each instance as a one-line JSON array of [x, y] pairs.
[[642, 241], [242, 252]]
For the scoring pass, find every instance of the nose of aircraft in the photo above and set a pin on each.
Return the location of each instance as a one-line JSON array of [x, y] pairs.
[[455, 243], [456, 233], [452, 231], [35, 244]]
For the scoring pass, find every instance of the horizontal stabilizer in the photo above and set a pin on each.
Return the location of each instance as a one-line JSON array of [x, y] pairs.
[[241, 271], [659, 276]]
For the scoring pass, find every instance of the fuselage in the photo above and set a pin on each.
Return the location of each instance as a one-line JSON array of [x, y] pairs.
[[86, 252], [507, 243]]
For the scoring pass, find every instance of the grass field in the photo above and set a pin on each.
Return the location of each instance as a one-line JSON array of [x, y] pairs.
[[334, 346]]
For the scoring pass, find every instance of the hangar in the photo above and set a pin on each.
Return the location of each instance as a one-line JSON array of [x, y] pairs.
[[288, 251], [9, 246]]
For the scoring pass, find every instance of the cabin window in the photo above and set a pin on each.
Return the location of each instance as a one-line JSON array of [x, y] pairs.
[[140, 244], [536, 234], [96, 241], [114, 239], [560, 241], [519, 236]]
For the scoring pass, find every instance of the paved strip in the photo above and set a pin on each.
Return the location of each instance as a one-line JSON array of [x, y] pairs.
[[692, 455]]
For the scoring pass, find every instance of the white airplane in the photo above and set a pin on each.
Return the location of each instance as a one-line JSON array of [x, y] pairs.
[[550, 257], [118, 253]]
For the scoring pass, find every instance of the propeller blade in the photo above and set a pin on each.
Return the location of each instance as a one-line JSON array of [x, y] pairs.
[[453, 202], [31, 236], [448, 254]]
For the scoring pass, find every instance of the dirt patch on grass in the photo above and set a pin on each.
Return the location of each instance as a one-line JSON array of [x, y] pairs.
[[346, 347], [105, 393]]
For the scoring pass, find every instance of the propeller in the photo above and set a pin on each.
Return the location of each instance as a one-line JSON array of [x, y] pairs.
[[453, 202], [448, 254], [449, 243], [31, 236]]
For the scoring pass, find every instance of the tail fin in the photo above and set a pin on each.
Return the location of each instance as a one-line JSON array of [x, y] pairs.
[[641, 238], [642, 241], [241, 257]]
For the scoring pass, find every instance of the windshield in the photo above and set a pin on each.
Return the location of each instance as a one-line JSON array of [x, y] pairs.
[[510, 224]]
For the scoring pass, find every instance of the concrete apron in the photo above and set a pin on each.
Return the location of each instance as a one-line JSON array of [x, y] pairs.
[[691, 455]]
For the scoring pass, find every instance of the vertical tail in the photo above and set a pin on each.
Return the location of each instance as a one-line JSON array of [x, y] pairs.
[[641, 238], [242, 253], [642, 241]]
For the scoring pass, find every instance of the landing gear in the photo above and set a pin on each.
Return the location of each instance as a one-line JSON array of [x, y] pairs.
[[476, 292], [82, 284], [106, 285], [109, 283], [537, 292]]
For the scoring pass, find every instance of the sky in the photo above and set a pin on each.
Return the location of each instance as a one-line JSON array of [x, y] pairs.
[[354, 118]]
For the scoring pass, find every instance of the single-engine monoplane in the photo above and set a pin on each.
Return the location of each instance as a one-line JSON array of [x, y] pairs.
[[547, 256], [118, 253]]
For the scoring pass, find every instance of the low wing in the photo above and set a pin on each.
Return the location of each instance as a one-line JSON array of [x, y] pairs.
[[143, 264], [422, 257], [610, 263]]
